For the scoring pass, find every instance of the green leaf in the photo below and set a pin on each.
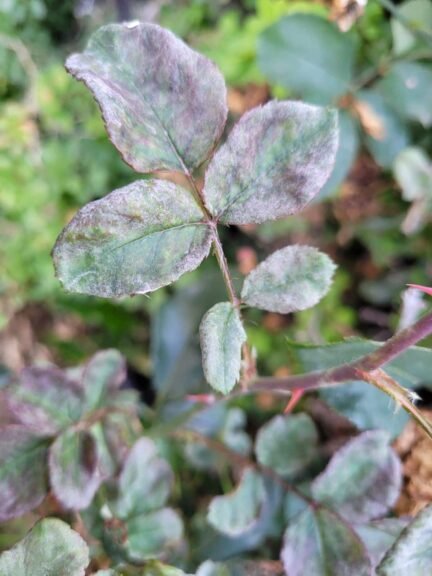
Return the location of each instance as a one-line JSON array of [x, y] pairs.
[[163, 104], [308, 55], [407, 88], [393, 135], [363, 479], [291, 279], [51, 548], [413, 172], [135, 240], [412, 552], [419, 15], [378, 536], [275, 160], [45, 399], [288, 444], [235, 513], [319, 543], [241, 568], [23, 471], [102, 376], [144, 483], [150, 534], [348, 147], [152, 568], [74, 467], [222, 336]]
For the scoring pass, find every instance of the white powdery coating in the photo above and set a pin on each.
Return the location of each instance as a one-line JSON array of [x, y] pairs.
[[275, 160], [291, 279], [363, 479], [164, 105], [135, 240], [235, 513], [51, 548], [222, 336], [412, 552]]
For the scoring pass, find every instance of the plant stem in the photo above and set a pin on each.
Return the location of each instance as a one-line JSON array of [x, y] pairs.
[[223, 265], [320, 379]]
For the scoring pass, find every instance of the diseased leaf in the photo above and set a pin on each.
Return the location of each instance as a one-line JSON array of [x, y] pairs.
[[407, 88], [319, 543], [309, 55], [135, 240], [222, 336], [150, 534], [152, 568], [412, 552], [45, 399], [241, 568], [233, 514], [363, 479], [288, 444], [291, 279], [51, 548], [275, 160], [102, 376], [23, 471], [164, 105], [74, 467], [144, 483], [378, 536]]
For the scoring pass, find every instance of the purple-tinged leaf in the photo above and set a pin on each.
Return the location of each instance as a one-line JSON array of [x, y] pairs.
[[288, 444], [363, 479], [291, 279], [45, 399], [135, 240], [222, 336], [164, 105], [144, 483], [75, 468], [275, 160], [23, 471], [378, 536], [411, 555], [51, 548], [319, 543], [235, 513], [102, 376]]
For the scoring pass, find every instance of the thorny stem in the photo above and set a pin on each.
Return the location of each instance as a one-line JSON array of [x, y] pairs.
[[320, 379]]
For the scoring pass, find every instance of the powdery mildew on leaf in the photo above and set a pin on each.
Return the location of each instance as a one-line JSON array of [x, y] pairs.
[[319, 543], [164, 105], [102, 376], [363, 479], [51, 548], [412, 553], [23, 471], [275, 160], [222, 336], [287, 444], [74, 467], [291, 279], [235, 513], [135, 240]]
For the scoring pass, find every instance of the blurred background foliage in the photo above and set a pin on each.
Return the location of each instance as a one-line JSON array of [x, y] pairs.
[[370, 59]]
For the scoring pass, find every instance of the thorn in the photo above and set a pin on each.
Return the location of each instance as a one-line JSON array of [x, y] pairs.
[[294, 400], [424, 289], [202, 398]]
